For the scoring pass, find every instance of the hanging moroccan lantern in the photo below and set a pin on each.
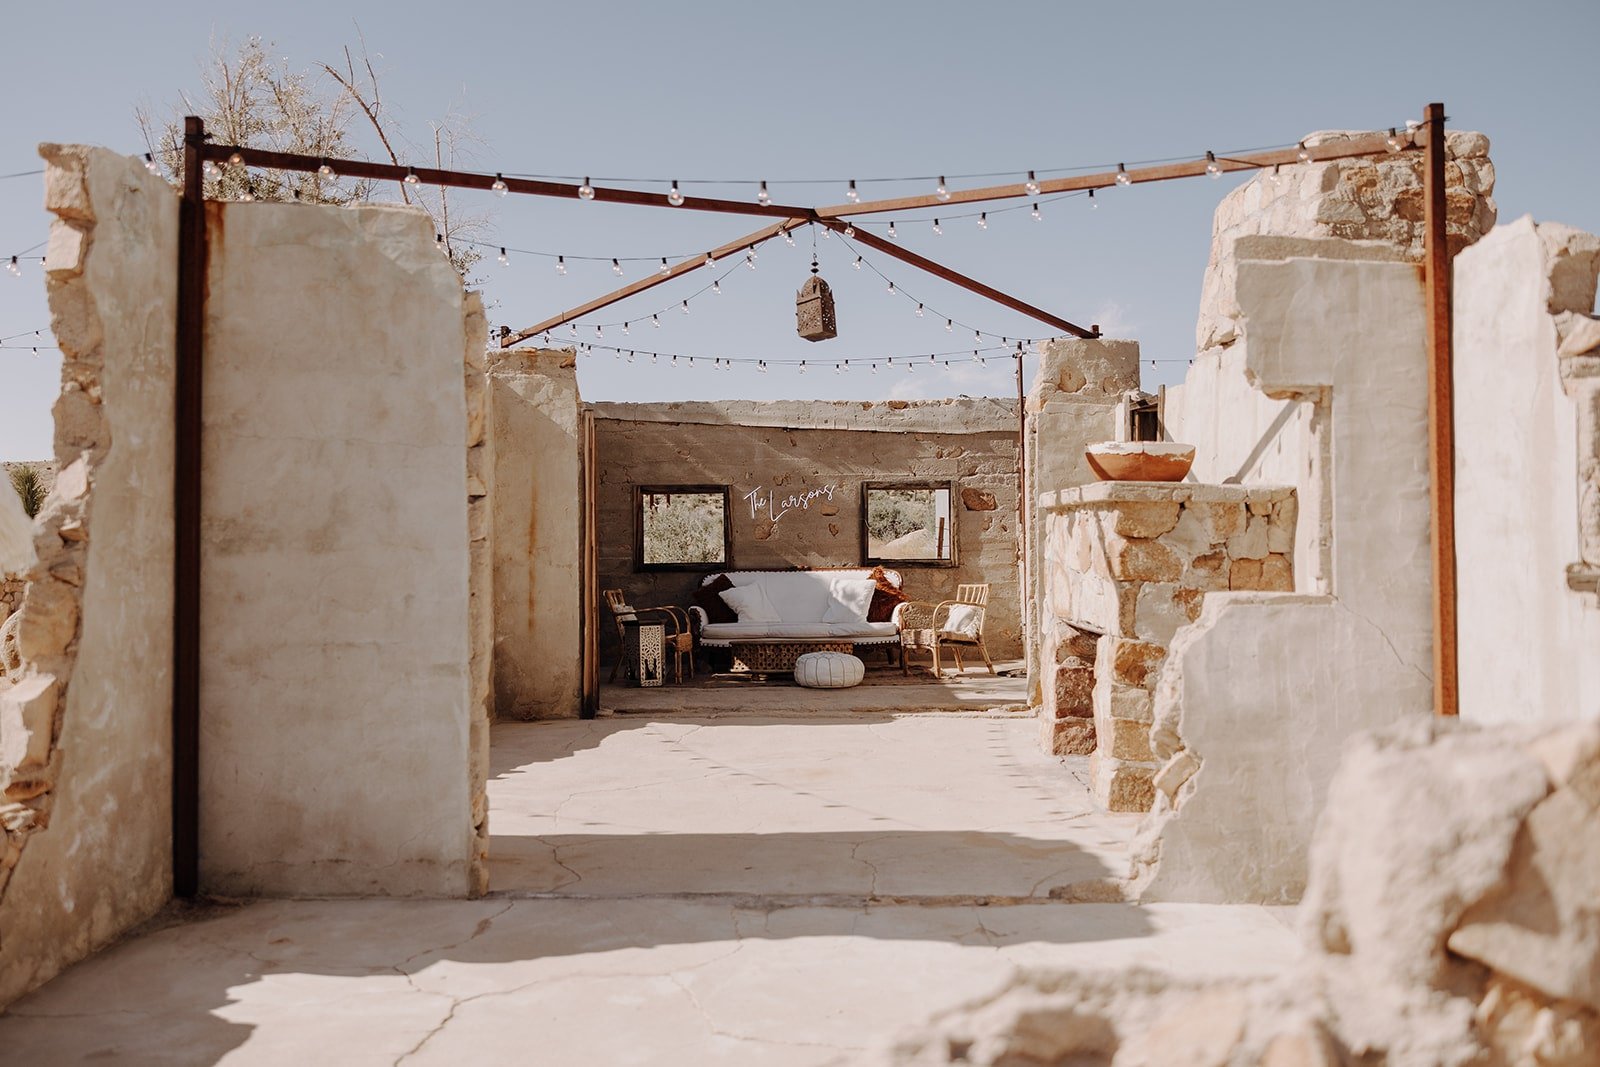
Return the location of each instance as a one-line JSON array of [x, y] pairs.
[[813, 308]]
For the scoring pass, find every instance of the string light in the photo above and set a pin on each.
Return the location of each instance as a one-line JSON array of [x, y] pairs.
[[937, 229], [411, 177], [561, 264], [1037, 217], [500, 185], [763, 197], [505, 261], [919, 311], [1213, 168], [849, 230], [664, 269], [326, 170], [1123, 177], [248, 195], [585, 191], [14, 268], [209, 169], [153, 167], [891, 288], [789, 237], [675, 196], [655, 320], [851, 195], [983, 220], [616, 268], [1031, 186], [236, 160], [1273, 175], [711, 262], [750, 259], [1094, 205], [626, 331], [892, 231], [685, 305], [857, 263], [949, 326], [1304, 155], [940, 191], [1394, 141], [716, 287], [599, 331], [803, 362]]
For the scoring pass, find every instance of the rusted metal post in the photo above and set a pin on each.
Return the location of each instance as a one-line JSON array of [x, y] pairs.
[[1441, 414], [190, 346], [1024, 511]]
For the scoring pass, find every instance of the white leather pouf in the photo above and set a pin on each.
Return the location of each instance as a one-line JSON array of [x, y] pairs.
[[828, 670]]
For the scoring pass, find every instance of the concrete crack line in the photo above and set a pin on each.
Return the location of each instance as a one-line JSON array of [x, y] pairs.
[[479, 930]]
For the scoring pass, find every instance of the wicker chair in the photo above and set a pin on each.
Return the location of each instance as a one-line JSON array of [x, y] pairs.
[[926, 627], [677, 637]]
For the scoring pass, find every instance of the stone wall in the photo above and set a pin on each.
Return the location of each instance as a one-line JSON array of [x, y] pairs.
[[1527, 356], [785, 447], [85, 731], [1131, 563], [480, 581], [335, 687], [1072, 403], [538, 532], [1262, 690], [1373, 199]]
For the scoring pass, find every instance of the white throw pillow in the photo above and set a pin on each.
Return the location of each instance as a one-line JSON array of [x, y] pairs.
[[751, 603], [963, 621], [849, 599]]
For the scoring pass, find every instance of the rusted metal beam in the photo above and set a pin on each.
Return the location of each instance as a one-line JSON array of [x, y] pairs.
[[677, 270], [1367, 145], [190, 363], [1437, 269], [939, 270], [459, 179]]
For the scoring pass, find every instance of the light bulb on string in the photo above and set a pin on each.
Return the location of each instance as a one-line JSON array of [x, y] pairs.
[[919, 311], [599, 332], [326, 170], [14, 268], [675, 196], [803, 362], [940, 191], [716, 287], [710, 263], [685, 306], [750, 258], [630, 355], [838, 368], [1304, 155], [857, 263], [1035, 213], [616, 267], [1123, 177], [937, 229], [849, 230], [761, 365], [561, 264], [1094, 205], [655, 320], [788, 236], [625, 329], [1273, 175], [411, 177], [762, 196], [500, 187], [653, 359], [674, 360], [585, 191], [850, 194], [1031, 186], [983, 220], [874, 367], [949, 326], [504, 260], [1393, 141], [236, 160], [892, 231], [248, 195], [1213, 168], [572, 328], [153, 167], [891, 288], [975, 357], [977, 336], [209, 169], [827, 234], [664, 268]]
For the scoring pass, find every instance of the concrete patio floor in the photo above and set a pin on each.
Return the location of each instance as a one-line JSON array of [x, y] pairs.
[[732, 889]]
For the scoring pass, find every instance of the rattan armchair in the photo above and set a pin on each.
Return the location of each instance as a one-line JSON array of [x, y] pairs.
[[677, 634], [953, 624]]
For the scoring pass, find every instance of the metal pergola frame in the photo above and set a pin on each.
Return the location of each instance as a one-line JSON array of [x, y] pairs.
[[191, 296]]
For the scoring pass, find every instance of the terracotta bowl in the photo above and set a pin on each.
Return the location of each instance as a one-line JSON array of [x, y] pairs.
[[1140, 461]]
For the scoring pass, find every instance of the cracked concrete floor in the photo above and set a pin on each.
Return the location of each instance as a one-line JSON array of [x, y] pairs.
[[908, 870]]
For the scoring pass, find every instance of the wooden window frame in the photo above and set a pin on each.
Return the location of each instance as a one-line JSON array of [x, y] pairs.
[[955, 548], [642, 491]]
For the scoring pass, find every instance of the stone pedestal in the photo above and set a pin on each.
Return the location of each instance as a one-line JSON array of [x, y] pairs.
[[1131, 562]]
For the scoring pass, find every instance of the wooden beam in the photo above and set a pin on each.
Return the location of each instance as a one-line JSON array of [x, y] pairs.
[[189, 359], [939, 270], [1368, 145], [677, 270], [1437, 269], [458, 179]]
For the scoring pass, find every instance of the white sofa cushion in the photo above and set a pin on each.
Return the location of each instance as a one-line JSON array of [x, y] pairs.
[[719, 633], [849, 599], [751, 603]]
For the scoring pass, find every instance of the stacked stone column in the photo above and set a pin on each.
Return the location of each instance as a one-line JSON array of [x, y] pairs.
[[1131, 562]]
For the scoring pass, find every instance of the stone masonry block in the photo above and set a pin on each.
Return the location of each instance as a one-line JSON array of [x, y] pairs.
[[1250, 542], [27, 722], [1068, 737], [1120, 786], [1072, 696], [1131, 705], [1207, 572], [1159, 613], [1245, 574], [1142, 560], [1146, 518], [1129, 662], [49, 619], [1276, 574], [1221, 519], [1127, 741]]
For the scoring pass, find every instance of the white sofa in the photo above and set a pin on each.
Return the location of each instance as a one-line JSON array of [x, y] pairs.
[[801, 598]]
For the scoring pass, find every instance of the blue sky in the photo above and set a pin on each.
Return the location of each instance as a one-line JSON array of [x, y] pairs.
[[832, 91]]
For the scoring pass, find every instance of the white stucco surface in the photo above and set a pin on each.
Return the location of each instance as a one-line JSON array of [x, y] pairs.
[[16, 535], [101, 863], [1264, 688], [538, 512], [1530, 644], [334, 685]]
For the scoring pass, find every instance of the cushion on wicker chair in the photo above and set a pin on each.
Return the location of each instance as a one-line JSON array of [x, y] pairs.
[[828, 670]]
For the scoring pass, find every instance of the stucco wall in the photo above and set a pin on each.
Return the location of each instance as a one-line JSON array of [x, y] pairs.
[[1527, 444], [334, 682], [87, 734], [538, 514], [785, 447], [1258, 696]]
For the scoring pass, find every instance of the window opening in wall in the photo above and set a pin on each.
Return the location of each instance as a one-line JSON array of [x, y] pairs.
[[680, 527], [1144, 423], [908, 523]]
